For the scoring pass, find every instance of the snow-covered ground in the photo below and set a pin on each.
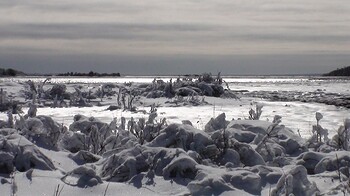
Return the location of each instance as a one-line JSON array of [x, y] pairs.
[[296, 115], [228, 155]]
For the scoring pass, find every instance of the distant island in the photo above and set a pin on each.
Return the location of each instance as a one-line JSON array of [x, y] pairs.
[[10, 72], [345, 71], [90, 74]]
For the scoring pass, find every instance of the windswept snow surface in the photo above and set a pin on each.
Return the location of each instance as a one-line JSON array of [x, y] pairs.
[[295, 115]]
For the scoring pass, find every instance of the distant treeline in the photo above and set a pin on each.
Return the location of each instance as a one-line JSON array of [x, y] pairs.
[[90, 74], [345, 71], [10, 72]]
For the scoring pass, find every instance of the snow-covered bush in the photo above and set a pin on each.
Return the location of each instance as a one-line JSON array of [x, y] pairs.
[[18, 152], [317, 162], [185, 137], [122, 166], [216, 124], [295, 182], [341, 139], [145, 131], [74, 141], [318, 130], [215, 181], [204, 84], [57, 90], [84, 124], [255, 114], [82, 176], [180, 166], [248, 156], [41, 129], [83, 157]]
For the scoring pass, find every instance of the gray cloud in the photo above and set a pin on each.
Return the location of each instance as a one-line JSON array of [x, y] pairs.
[[52, 31], [165, 32], [97, 31]]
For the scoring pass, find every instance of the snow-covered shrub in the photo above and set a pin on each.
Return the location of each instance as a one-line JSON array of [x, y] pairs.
[[277, 142], [9, 123], [32, 126], [18, 152], [154, 94], [102, 91], [180, 166], [230, 156], [214, 181], [83, 157], [205, 88], [255, 114], [271, 140], [204, 84], [216, 124], [5, 103], [30, 90], [51, 130], [239, 134], [309, 160], [32, 110], [333, 161], [84, 124], [206, 77], [268, 174], [116, 143], [318, 130], [58, 90], [3, 97], [74, 141], [248, 156], [82, 176], [295, 182], [182, 136], [169, 89], [185, 91], [341, 139], [94, 139], [122, 166], [41, 129], [277, 119]]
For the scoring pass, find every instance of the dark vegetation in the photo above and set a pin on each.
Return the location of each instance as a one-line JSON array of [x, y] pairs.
[[345, 71], [90, 74], [10, 72]]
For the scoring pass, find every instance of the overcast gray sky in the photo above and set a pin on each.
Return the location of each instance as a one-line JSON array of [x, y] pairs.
[[175, 37]]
